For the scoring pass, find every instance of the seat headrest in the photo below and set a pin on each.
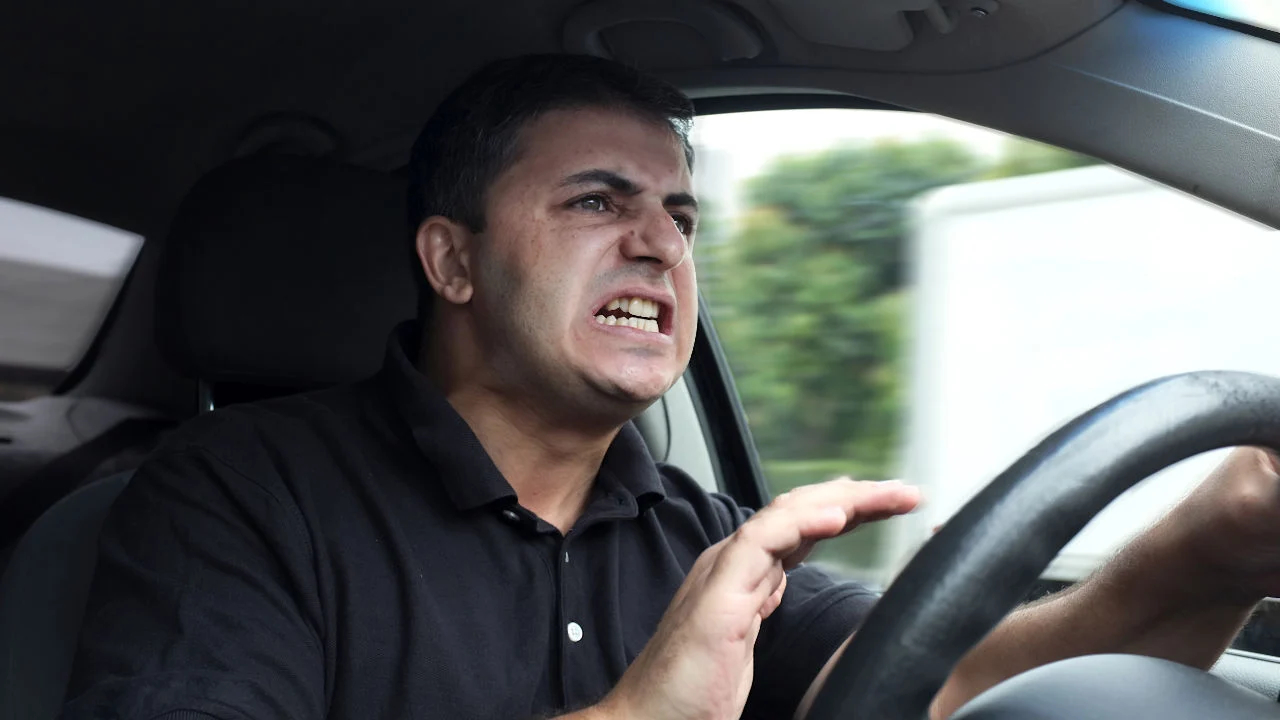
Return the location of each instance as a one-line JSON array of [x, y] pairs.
[[285, 271]]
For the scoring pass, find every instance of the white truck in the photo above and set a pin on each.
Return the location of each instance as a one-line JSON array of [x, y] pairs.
[[1038, 297]]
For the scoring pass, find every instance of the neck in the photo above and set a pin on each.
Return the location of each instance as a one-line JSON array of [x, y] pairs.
[[550, 465]]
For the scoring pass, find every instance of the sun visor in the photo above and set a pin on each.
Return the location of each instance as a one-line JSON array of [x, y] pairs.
[[878, 25], [659, 33]]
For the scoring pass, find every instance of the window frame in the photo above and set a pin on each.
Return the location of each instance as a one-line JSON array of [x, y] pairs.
[[1236, 25], [62, 382], [731, 448], [81, 368]]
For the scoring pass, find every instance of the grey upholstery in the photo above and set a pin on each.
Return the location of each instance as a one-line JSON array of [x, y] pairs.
[[42, 599]]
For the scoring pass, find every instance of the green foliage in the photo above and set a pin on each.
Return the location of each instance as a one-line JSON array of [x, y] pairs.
[[808, 296], [1023, 157], [852, 198], [808, 300]]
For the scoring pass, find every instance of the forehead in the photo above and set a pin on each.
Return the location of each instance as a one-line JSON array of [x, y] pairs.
[[563, 142]]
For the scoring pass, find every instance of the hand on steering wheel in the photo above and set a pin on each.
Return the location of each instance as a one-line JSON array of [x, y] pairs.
[[981, 563]]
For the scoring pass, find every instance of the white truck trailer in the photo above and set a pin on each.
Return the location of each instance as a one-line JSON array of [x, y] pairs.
[[1038, 297]]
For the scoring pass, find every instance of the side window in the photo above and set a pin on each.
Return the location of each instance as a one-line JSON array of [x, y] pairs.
[[905, 296], [58, 276]]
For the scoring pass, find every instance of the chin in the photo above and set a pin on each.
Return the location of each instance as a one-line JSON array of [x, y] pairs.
[[641, 392]]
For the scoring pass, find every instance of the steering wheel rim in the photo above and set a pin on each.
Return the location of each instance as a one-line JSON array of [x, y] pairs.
[[980, 565]]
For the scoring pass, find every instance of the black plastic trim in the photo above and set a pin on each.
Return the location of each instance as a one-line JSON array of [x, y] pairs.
[[721, 105], [21, 375], [1221, 22], [724, 423]]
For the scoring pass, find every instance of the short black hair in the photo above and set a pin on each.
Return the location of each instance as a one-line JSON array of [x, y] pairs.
[[473, 135]]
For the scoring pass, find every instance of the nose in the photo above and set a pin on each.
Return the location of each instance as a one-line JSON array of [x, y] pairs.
[[655, 239]]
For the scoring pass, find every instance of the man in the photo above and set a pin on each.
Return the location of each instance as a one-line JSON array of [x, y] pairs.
[[478, 532]]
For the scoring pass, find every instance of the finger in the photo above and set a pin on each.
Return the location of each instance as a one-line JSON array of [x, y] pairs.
[[781, 531], [1267, 460], [878, 501], [756, 548], [774, 599], [861, 501], [799, 556]]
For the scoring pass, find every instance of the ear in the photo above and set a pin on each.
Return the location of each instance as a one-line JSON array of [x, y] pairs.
[[444, 248]]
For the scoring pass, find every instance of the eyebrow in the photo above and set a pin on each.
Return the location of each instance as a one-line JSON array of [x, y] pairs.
[[624, 185]]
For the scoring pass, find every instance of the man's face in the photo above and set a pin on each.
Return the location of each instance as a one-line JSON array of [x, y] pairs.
[[585, 291]]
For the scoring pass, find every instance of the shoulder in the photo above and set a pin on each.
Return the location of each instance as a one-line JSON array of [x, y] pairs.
[[716, 513], [250, 436], [254, 448]]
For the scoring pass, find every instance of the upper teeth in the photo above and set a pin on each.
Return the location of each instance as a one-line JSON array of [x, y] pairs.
[[634, 306]]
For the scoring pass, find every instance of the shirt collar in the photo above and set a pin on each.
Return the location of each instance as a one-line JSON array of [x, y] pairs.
[[627, 473], [628, 470]]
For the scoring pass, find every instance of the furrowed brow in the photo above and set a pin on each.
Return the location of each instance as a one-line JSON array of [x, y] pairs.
[[611, 179], [680, 199]]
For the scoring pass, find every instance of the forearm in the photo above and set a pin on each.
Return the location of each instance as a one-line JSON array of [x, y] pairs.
[[1149, 601]]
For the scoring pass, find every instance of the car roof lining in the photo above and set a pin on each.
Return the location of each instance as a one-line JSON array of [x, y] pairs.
[[1123, 88], [115, 120]]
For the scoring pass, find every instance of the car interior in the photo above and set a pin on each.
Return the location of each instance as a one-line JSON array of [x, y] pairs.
[[235, 138]]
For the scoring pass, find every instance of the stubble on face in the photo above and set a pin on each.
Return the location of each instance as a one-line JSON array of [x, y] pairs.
[[542, 260]]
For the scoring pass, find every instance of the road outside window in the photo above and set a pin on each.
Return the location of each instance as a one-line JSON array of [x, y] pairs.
[[58, 276]]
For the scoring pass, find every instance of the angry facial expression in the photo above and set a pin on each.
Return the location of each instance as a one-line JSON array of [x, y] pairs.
[[584, 284]]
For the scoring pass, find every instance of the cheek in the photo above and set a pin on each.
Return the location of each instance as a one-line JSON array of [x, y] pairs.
[[685, 283]]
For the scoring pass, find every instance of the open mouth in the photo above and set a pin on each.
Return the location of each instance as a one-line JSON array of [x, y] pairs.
[[633, 312]]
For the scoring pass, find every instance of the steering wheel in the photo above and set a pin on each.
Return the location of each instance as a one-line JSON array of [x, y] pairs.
[[981, 564]]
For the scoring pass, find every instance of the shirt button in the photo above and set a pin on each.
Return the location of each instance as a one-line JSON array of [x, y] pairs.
[[575, 632], [510, 516]]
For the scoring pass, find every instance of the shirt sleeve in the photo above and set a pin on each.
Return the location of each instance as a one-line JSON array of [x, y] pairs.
[[200, 604], [818, 613]]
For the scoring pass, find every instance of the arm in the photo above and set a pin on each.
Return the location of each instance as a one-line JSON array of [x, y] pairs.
[[198, 602], [1145, 602], [700, 662], [1180, 591]]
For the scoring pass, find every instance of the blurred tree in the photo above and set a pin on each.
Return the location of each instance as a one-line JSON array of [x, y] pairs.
[[807, 291], [1024, 157], [807, 296]]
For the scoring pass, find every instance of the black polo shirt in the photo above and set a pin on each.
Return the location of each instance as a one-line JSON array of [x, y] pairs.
[[354, 553]]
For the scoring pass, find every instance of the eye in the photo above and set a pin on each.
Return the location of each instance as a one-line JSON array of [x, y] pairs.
[[593, 203], [684, 224]]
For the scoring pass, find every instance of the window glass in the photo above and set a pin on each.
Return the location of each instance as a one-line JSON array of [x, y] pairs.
[[58, 276], [901, 295]]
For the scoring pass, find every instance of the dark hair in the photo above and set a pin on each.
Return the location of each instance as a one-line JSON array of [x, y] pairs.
[[473, 135]]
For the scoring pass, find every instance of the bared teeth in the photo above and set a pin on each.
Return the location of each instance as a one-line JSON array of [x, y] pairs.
[[636, 323], [639, 307]]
